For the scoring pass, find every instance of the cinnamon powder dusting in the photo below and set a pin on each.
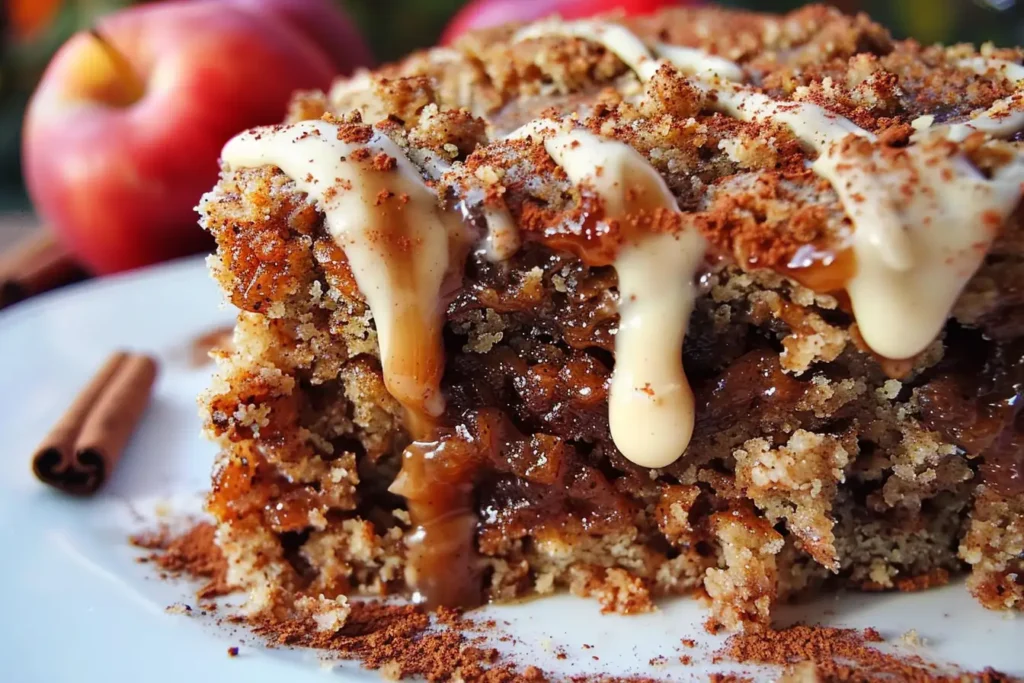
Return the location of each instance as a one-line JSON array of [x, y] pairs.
[[193, 553], [840, 655], [401, 641]]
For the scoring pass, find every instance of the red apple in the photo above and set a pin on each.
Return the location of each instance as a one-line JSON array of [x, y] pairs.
[[123, 133], [321, 22], [484, 13]]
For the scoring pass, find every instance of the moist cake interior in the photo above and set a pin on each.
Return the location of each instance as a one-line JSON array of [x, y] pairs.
[[429, 330]]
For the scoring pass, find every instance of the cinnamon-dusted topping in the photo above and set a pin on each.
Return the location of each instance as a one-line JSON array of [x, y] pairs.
[[350, 132], [802, 37], [840, 655], [909, 271], [383, 162], [1006, 116], [797, 251]]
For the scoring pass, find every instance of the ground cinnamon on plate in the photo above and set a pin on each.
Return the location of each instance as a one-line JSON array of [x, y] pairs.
[[193, 553], [403, 641], [728, 678], [840, 654], [400, 641]]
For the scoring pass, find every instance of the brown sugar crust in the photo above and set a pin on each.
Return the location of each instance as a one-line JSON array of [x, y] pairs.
[[814, 463]]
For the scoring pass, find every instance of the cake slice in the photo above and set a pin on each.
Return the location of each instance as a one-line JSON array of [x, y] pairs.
[[706, 301]]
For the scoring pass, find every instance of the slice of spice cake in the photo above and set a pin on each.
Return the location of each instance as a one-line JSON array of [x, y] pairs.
[[708, 300]]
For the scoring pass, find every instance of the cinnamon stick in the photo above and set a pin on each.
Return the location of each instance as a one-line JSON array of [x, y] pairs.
[[36, 264], [81, 451]]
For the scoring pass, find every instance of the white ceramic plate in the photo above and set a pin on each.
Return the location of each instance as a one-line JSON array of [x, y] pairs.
[[76, 607]]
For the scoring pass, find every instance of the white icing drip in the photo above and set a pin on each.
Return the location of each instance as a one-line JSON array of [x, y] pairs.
[[634, 53], [502, 239], [1006, 116], [650, 403], [536, 128], [398, 249], [923, 219], [949, 212], [433, 164], [814, 125], [615, 38], [694, 61]]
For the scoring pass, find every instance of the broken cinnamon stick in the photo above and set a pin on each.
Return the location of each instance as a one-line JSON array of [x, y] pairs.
[[81, 451], [36, 264]]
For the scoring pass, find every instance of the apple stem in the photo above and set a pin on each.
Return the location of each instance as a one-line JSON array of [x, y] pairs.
[[132, 85]]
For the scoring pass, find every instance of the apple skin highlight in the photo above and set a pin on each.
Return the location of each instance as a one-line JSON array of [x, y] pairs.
[[122, 136]]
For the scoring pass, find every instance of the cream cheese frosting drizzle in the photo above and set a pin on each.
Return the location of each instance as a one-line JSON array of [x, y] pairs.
[[502, 239], [1006, 116], [949, 214], [923, 217], [650, 403], [622, 42], [699, 62], [923, 220], [398, 240]]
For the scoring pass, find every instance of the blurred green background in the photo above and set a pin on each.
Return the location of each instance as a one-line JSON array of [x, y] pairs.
[[32, 29]]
